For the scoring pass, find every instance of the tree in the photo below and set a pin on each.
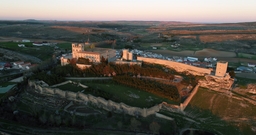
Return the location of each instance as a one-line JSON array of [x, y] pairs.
[[232, 74], [58, 120], [43, 118], [51, 119], [134, 124], [119, 124], [92, 46], [72, 61], [154, 127], [83, 61], [73, 120]]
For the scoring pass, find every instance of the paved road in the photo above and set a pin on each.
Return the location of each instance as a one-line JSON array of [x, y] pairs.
[[247, 75]]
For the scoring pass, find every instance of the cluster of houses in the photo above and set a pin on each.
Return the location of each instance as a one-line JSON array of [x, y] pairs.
[[16, 65], [5, 65], [249, 68], [43, 43], [23, 65]]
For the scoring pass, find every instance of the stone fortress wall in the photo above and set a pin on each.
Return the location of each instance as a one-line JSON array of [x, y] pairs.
[[188, 99], [98, 101], [179, 67]]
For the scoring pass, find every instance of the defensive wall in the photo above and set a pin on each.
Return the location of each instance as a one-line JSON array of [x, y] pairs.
[[163, 116], [66, 82], [97, 101], [179, 67], [188, 99]]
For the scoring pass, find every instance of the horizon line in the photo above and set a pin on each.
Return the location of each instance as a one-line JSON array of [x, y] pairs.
[[60, 20]]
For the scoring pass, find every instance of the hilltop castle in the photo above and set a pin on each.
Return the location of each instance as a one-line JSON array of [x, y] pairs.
[[78, 52]]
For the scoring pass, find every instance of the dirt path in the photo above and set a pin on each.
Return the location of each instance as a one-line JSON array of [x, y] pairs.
[[211, 102], [247, 75]]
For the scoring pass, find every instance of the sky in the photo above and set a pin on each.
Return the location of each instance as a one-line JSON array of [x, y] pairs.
[[208, 11]]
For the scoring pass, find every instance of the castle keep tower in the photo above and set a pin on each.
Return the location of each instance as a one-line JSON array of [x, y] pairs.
[[221, 68], [76, 48], [78, 52], [127, 55]]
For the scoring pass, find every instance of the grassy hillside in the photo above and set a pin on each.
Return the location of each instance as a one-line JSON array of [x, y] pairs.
[[229, 108]]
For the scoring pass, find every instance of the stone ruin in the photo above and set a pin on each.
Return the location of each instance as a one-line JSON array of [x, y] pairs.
[[221, 84], [97, 101], [251, 88]]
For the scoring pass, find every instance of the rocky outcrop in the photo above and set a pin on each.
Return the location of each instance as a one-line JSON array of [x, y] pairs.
[[221, 84]]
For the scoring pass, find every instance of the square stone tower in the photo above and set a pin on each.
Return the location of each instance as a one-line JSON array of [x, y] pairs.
[[125, 54], [221, 68], [76, 49]]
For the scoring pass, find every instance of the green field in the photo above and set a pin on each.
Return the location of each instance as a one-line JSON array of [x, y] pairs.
[[64, 46], [242, 82], [247, 56], [41, 52], [71, 87], [127, 95], [5, 87]]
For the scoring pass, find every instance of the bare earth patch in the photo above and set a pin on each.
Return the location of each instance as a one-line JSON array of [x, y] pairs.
[[173, 53], [7, 39], [214, 53], [156, 45]]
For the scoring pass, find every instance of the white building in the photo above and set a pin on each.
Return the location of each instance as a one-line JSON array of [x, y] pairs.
[[21, 45], [25, 41], [192, 59], [251, 65]]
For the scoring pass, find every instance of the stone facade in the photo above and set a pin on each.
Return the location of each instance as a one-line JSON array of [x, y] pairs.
[[78, 52], [83, 66], [127, 55]]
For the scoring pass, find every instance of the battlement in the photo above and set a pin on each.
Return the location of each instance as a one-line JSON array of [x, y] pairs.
[[79, 52], [77, 45]]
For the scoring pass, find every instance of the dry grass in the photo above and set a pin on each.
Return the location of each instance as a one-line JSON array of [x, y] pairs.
[[226, 37], [88, 30], [74, 29], [7, 39], [195, 32], [173, 53], [189, 37]]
